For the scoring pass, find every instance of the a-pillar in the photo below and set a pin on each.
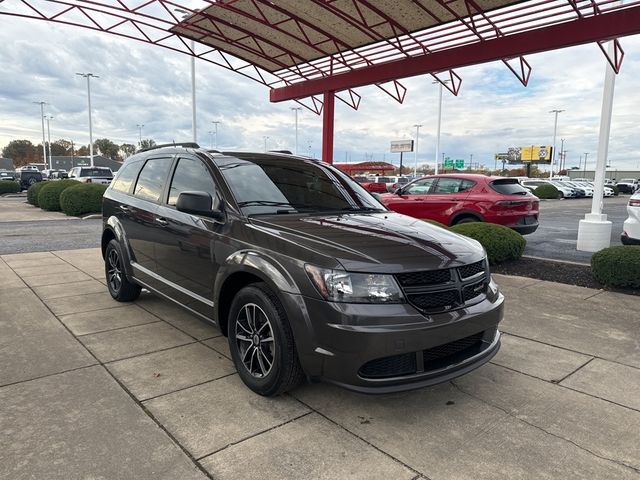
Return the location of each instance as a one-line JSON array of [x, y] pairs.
[[327, 126]]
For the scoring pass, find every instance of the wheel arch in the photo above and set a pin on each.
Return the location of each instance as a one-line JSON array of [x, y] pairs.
[[465, 214]]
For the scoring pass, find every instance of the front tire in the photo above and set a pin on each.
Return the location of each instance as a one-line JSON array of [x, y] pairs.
[[120, 288], [261, 342]]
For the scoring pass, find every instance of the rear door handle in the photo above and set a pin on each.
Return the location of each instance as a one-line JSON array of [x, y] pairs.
[[161, 221], [124, 208]]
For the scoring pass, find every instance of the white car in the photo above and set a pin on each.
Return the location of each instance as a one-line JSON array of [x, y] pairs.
[[532, 184], [631, 227], [100, 175], [396, 182]]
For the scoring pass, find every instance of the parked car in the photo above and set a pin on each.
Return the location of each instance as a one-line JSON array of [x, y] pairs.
[[7, 175], [59, 174], [564, 191], [376, 184], [27, 177], [396, 182], [459, 198], [631, 227], [102, 175], [307, 275], [627, 185]]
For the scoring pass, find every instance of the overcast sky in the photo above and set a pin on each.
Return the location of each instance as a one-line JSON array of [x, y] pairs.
[[143, 84]]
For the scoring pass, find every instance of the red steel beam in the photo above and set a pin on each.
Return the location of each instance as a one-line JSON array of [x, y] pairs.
[[603, 26], [327, 126]]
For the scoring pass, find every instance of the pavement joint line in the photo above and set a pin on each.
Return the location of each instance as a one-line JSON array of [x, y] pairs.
[[510, 414], [386, 454], [211, 380], [82, 311], [217, 351], [43, 274], [249, 437], [126, 390], [579, 368], [571, 350], [141, 354], [48, 375], [594, 295], [113, 329]]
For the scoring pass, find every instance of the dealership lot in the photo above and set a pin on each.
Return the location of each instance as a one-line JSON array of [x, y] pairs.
[[91, 387]]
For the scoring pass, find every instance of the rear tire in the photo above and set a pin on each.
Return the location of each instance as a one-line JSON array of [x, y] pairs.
[[120, 288], [466, 220], [261, 342]]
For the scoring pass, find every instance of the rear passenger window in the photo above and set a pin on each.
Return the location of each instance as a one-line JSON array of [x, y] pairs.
[[448, 185], [125, 177], [190, 175], [151, 179]]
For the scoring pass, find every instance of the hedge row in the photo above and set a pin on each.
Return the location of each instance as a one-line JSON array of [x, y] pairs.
[[72, 197], [501, 243], [32, 193], [617, 266], [9, 186], [547, 191], [49, 195]]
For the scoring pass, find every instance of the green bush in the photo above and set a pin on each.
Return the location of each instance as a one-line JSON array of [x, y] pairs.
[[500, 242], [49, 195], [81, 199], [9, 186], [433, 222], [547, 191], [617, 266], [32, 193], [615, 189]]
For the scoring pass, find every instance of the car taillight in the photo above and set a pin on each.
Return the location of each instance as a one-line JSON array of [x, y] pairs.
[[634, 202]]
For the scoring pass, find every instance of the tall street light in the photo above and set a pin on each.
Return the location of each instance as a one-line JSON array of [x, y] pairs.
[[439, 122], [296, 110], [88, 77], [555, 128], [193, 78], [140, 125], [265, 138], [585, 164], [44, 147], [415, 166], [561, 157], [49, 118], [215, 132], [211, 132]]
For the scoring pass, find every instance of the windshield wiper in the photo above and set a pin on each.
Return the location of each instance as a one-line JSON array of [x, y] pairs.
[[268, 203]]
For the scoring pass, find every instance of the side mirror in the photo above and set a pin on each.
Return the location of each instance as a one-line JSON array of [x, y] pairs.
[[398, 191], [198, 203]]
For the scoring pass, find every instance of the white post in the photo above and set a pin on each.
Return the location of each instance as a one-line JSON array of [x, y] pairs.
[[90, 125], [49, 118], [594, 232], [44, 143], [438, 131], [215, 133], [295, 109], [553, 151], [415, 166], [193, 91]]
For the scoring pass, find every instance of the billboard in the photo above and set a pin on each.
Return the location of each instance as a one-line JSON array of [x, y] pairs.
[[398, 146], [528, 154]]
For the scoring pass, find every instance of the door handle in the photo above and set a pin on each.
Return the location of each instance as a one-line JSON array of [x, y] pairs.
[[161, 221], [124, 208]]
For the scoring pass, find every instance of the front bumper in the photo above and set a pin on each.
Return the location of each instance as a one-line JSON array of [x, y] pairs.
[[391, 348]]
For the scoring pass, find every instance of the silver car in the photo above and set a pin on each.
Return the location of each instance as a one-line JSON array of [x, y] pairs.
[[100, 175]]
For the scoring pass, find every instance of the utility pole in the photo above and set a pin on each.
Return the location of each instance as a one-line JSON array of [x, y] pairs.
[[49, 118], [415, 166], [44, 146], [140, 125], [561, 157], [88, 77], [555, 128], [296, 110], [215, 133], [265, 138], [585, 164], [439, 123]]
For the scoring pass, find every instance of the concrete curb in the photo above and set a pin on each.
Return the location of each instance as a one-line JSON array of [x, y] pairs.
[[92, 216]]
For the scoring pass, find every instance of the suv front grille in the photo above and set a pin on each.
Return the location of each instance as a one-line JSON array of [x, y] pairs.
[[436, 291], [433, 358]]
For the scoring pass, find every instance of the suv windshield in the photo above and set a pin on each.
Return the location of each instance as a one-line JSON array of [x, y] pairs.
[[509, 186], [95, 172], [265, 185]]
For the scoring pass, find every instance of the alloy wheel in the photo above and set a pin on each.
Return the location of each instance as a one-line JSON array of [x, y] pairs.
[[114, 271], [255, 340]]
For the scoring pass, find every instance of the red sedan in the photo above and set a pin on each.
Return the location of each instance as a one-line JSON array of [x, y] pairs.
[[461, 198], [379, 185]]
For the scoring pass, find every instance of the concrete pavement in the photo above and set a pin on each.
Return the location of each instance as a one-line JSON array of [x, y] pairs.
[[91, 388]]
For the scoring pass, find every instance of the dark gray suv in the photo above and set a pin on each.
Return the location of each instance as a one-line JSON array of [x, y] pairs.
[[307, 274]]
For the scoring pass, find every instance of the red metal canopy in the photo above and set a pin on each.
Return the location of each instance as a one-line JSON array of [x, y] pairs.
[[354, 168], [303, 48]]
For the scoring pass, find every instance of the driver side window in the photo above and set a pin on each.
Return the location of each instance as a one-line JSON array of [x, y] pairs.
[[421, 187], [190, 175]]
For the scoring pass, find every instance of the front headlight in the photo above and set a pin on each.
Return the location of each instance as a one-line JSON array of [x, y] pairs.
[[341, 286]]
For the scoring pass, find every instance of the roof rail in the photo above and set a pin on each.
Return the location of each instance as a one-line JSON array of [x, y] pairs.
[[174, 144]]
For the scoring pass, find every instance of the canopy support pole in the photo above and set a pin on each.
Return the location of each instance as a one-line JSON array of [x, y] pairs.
[[327, 126]]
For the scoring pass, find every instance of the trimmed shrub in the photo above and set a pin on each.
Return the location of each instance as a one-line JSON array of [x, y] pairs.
[[9, 186], [547, 191], [32, 193], [437, 224], [83, 198], [49, 195], [500, 242], [617, 266], [616, 192]]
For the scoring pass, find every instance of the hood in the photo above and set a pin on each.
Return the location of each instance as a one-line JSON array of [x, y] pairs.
[[374, 242]]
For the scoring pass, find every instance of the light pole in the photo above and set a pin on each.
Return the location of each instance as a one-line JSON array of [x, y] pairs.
[[88, 77], [193, 78], [211, 132], [415, 166], [296, 110], [140, 125], [215, 133], [561, 158], [265, 138], [44, 147], [555, 128], [439, 122], [49, 118], [585, 164]]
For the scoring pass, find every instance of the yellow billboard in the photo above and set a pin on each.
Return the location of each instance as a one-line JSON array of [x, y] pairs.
[[536, 153]]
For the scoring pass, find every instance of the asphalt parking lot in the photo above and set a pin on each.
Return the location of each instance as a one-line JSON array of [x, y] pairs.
[[557, 235], [92, 388]]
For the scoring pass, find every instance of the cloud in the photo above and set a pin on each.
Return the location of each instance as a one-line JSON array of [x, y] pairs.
[[143, 84]]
